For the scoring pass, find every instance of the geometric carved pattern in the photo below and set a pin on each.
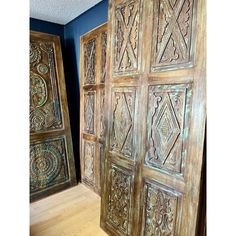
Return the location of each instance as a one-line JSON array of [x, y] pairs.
[[123, 107], [103, 62], [47, 164], [172, 33], [126, 37], [119, 203], [160, 211], [45, 111], [102, 118], [168, 111], [89, 158], [89, 112], [90, 62]]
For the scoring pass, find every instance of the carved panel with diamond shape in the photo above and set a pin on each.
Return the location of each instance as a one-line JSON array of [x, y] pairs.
[[171, 33], [123, 108], [168, 113]]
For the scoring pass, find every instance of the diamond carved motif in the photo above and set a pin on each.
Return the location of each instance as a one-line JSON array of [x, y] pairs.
[[168, 115], [167, 129]]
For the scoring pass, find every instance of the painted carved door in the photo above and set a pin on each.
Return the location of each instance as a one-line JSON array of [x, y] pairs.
[[155, 111], [51, 152], [92, 98]]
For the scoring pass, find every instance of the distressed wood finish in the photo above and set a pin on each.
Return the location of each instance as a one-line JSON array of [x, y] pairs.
[[92, 99], [51, 153], [155, 114]]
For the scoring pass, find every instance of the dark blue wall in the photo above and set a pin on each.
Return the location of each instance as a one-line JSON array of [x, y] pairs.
[[70, 40]]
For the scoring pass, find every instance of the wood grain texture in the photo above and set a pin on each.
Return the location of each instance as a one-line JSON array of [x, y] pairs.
[[157, 135], [92, 98], [51, 152], [72, 212]]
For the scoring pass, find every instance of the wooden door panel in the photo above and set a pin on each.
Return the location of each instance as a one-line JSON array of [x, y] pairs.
[[162, 206], [45, 112], [120, 200], [155, 111], [168, 127], [172, 34], [51, 153], [92, 93], [126, 39], [48, 164], [122, 121]]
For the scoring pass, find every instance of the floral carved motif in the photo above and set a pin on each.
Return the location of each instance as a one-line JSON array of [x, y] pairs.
[[45, 113], [47, 164], [102, 118], [168, 111], [172, 32], [160, 211], [123, 108], [89, 112], [119, 200], [90, 62], [126, 37]]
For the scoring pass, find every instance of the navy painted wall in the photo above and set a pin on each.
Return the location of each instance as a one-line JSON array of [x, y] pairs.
[[70, 41]]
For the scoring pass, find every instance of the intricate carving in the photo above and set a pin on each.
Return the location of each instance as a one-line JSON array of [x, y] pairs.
[[118, 212], [167, 126], [102, 118], [123, 107], [126, 37], [47, 164], [90, 62], [45, 113], [89, 158], [160, 211], [89, 112], [172, 33], [104, 54]]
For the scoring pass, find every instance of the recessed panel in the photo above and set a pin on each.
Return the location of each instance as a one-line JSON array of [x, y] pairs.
[[89, 112], [119, 199], [123, 110], [126, 37], [168, 126], [172, 34], [160, 210], [48, 165], [45, 111]]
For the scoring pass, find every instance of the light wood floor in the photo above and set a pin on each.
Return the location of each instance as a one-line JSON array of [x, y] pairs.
[[74, 212]]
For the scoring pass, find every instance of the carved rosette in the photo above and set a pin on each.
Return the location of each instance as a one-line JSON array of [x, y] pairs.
[[89, 112], [89, 158], [90, 62], [47, 164], [159, 212], [104, 54], [118, 212], [172, 33], [168, 112], [123, 107], [45, 113], [126, 37]]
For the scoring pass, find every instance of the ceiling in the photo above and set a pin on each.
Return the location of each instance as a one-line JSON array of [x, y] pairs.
[[59, 11]]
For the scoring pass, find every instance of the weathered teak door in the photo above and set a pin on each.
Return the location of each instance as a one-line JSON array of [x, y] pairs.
[[51, 152], [156, 117], [92, 95]]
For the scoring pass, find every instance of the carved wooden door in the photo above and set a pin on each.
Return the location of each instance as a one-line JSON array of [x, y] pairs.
[[155, 111], [51, 152], [92, 98]]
